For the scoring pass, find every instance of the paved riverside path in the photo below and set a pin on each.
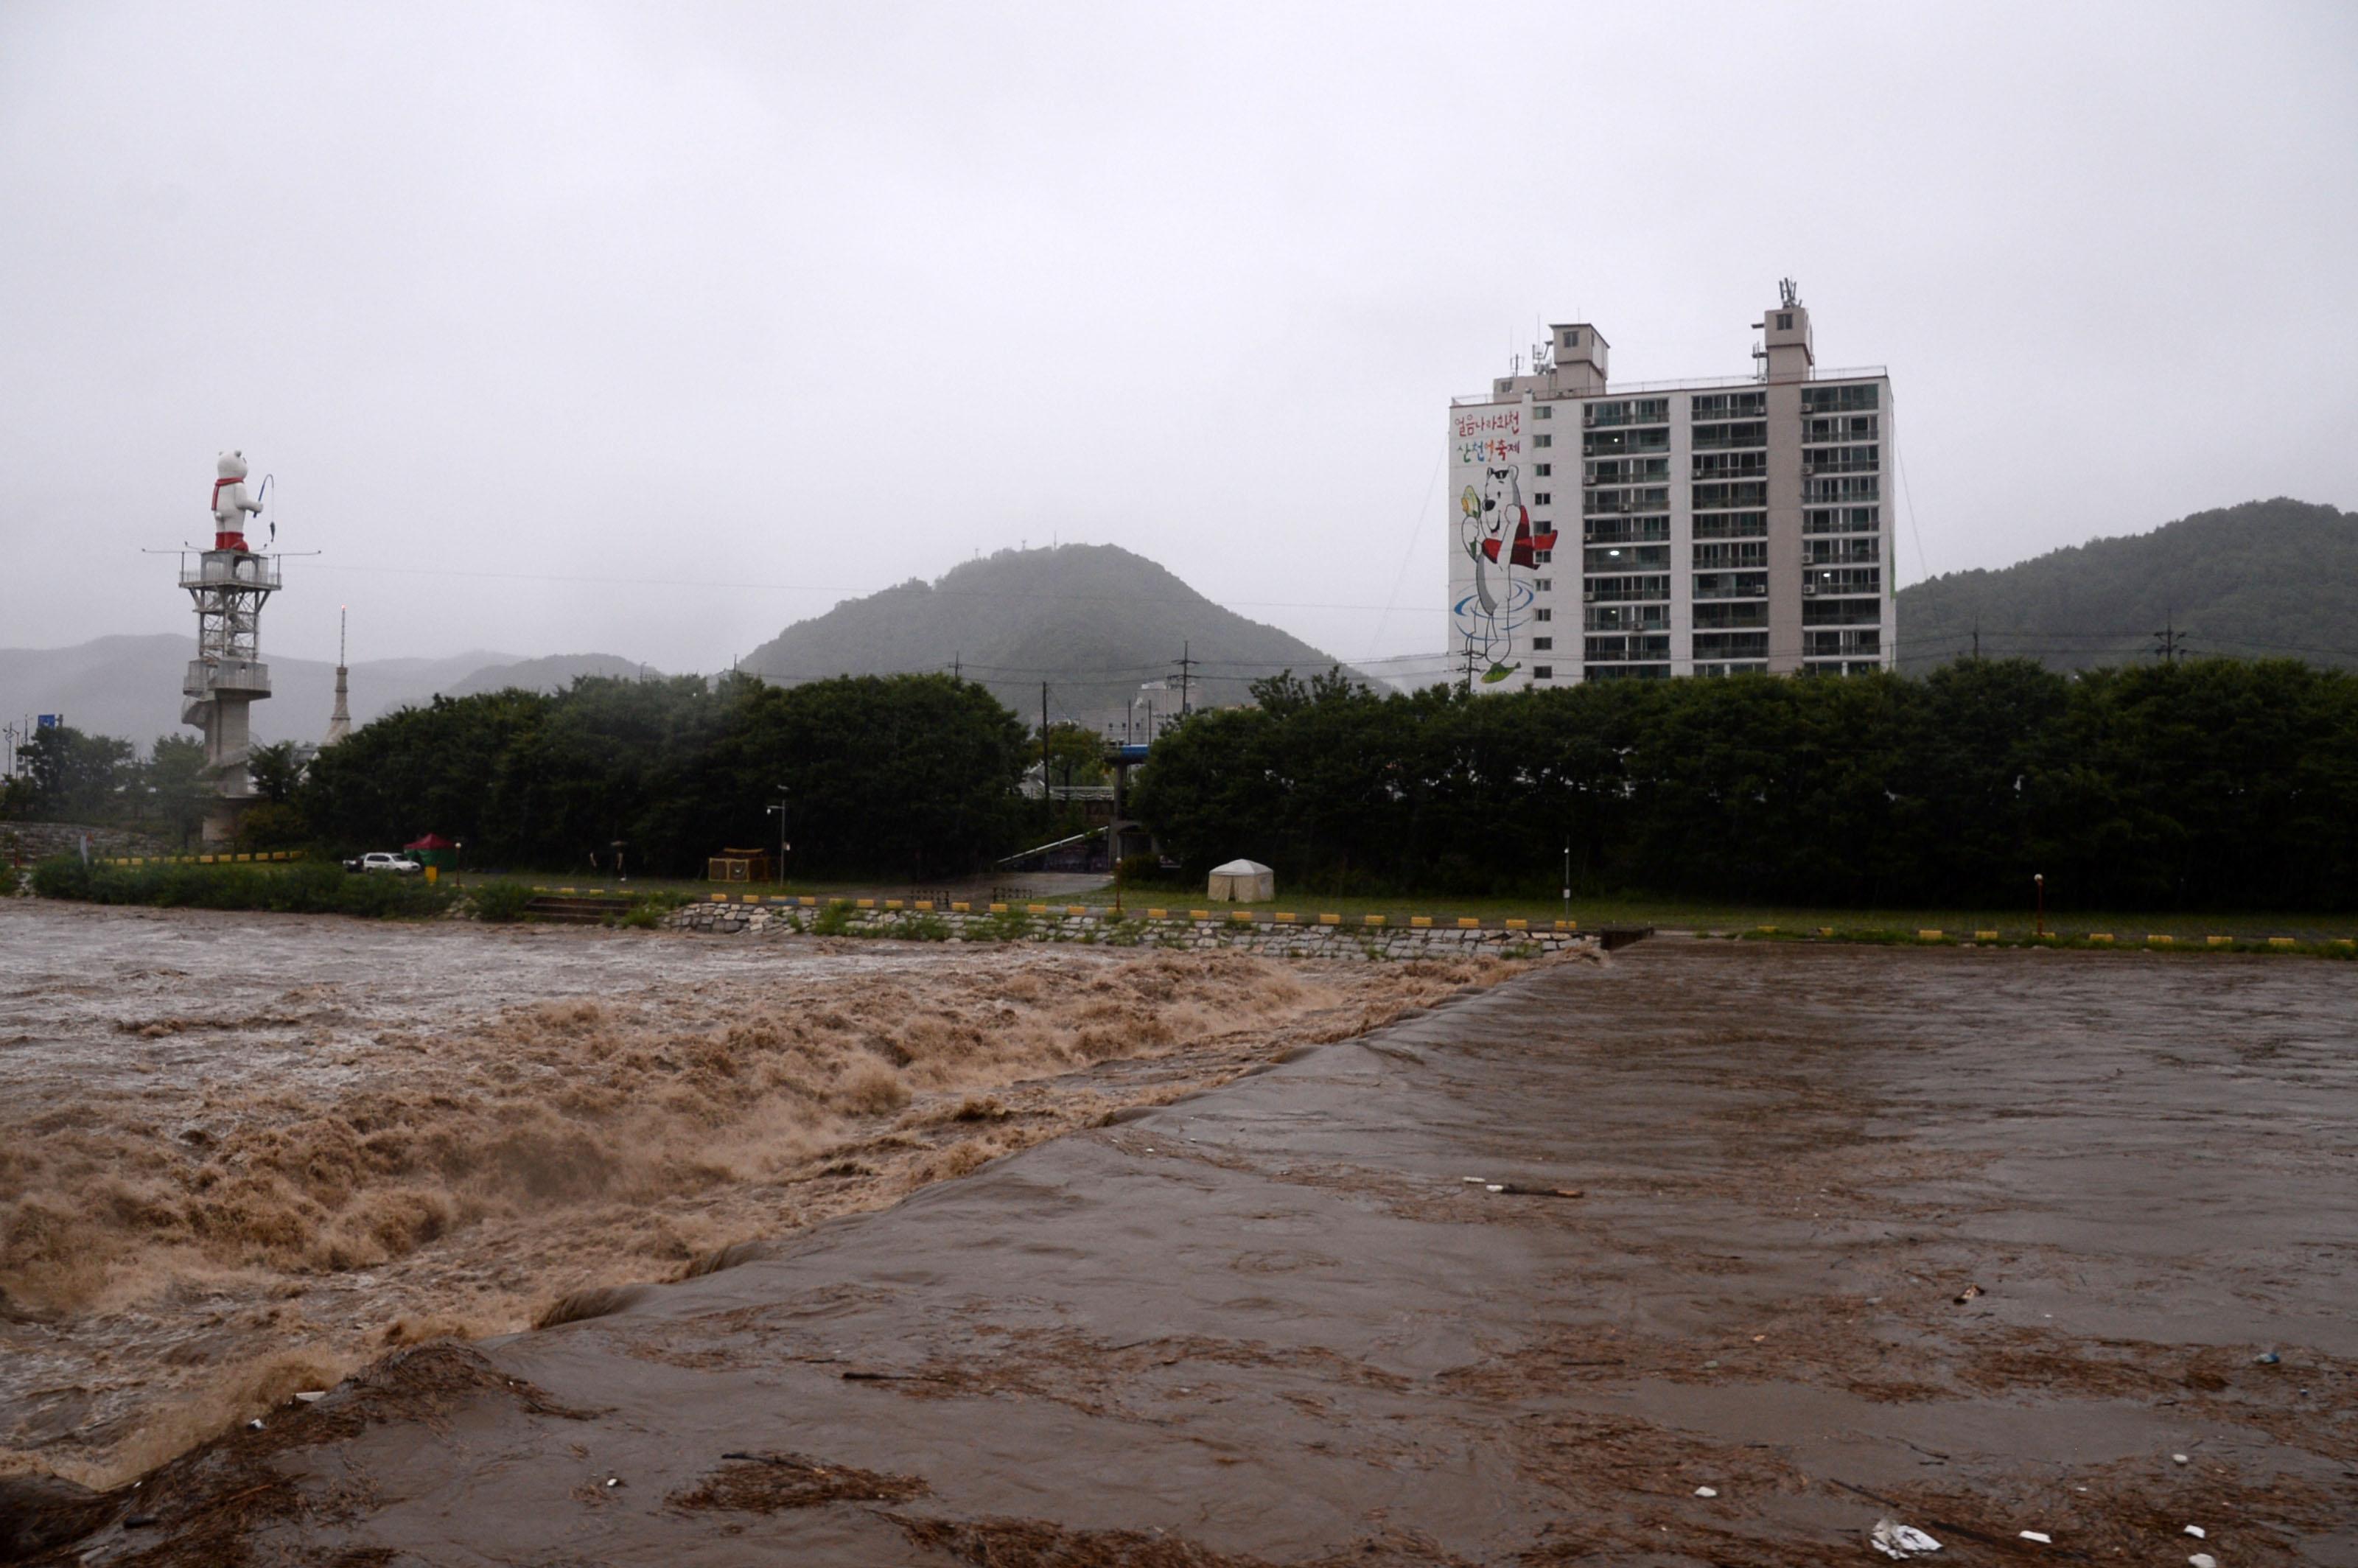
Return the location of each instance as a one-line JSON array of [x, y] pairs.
[[1275, 1324]]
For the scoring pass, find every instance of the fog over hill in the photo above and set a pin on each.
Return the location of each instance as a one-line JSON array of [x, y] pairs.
[[1094, 621], [130, 686], [2268, 578]]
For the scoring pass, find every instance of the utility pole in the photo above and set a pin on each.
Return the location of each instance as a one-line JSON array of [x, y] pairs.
[[1186, 664], [1469, 666], [1567, 880], [1043, 740], [2169, 644], [1977, 642], [958, 665]]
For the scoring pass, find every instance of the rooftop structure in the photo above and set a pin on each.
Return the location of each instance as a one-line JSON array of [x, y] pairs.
[[1707, 526]]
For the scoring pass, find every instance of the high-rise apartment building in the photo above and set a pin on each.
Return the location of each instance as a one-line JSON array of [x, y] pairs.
[[1691, 527]]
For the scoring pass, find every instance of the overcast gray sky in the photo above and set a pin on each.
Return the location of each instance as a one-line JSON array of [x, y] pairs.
[[648, 329]]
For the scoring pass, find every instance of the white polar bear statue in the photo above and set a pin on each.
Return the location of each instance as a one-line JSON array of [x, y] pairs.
[[230, 504]]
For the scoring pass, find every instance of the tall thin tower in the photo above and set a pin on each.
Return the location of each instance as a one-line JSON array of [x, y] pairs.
[[339, 723], [230, 583]]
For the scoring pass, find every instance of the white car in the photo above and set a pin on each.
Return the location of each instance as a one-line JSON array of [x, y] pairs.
[[400, 865]]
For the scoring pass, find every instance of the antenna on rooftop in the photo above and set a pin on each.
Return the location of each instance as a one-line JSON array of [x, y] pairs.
[[1789, 291]]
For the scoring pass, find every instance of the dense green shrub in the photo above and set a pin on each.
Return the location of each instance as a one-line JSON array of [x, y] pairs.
[[305, 888], [500, 901]]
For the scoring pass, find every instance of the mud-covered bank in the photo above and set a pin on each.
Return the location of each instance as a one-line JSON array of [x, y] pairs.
[[241, 1155]]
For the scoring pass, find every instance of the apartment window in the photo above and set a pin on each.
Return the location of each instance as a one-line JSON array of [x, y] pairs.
[[1731, 644], [1632, 411], [1608, 502], [1836, 644], [1542, 672], [1732, 525], [1608, 443], [1729, 465], [1840, 459], [1617, 650], [1784, 321], [1734, 616], [1841, 612], [1627, 618], [1543, 440], [1542, 615], [1742, 493], [1750, 433], [1843, 520], [1620, 530], [1544, 411], [1626, 557], [1731, 585], [1541, 644], [1863, 551], [1849, 487], [1542, 498], [1842, 579], [1572, 337], [1709, 406], [1542, 557], [1620, 590], [1543, 585], [1841, 399], [1730, 553], [1543, 470], [1838, 428]]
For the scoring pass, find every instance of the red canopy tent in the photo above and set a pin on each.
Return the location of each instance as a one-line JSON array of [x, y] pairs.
[[433, 851]]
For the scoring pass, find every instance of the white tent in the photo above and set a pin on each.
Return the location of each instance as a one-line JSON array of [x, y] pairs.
[[1242, 881]]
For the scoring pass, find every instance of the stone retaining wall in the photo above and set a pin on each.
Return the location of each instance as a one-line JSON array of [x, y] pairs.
[[33, 841], [1259, 936]]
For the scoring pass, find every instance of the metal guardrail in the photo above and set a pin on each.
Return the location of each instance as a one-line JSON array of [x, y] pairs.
[[260, 574]]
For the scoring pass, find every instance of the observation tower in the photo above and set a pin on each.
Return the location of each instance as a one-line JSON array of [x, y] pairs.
[[230, 584]]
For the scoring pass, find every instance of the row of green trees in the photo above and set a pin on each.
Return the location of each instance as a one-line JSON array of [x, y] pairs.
[[2212, 783], [902, 775]]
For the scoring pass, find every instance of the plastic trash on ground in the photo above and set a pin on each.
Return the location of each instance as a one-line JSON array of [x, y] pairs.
[[1900, 1540]]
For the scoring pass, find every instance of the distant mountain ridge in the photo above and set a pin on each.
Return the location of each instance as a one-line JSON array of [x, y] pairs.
[[1094, 621], [129, 687], [2268, 578]]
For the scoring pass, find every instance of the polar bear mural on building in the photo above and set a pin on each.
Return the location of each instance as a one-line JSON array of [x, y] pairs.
[[1495, 531]]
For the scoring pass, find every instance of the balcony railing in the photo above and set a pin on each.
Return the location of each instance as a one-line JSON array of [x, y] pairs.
[[221, 568]]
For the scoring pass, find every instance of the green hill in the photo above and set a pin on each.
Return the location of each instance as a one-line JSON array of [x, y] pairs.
[[2267, 578], [1094, 621]]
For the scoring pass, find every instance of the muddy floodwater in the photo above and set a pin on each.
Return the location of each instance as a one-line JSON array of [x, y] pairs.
[[1713, 1253], [243, 1155]]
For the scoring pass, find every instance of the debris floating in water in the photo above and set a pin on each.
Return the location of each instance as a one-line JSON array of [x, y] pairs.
[[1968, 1294], [1706, 1491], [1899, 1540], [2039, 1536]]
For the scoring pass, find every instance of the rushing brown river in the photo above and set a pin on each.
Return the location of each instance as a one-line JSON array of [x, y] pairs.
[[1980, 1242]]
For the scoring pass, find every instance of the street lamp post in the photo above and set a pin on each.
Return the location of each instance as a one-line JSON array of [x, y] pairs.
[[2039, 880], [779, 811]]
